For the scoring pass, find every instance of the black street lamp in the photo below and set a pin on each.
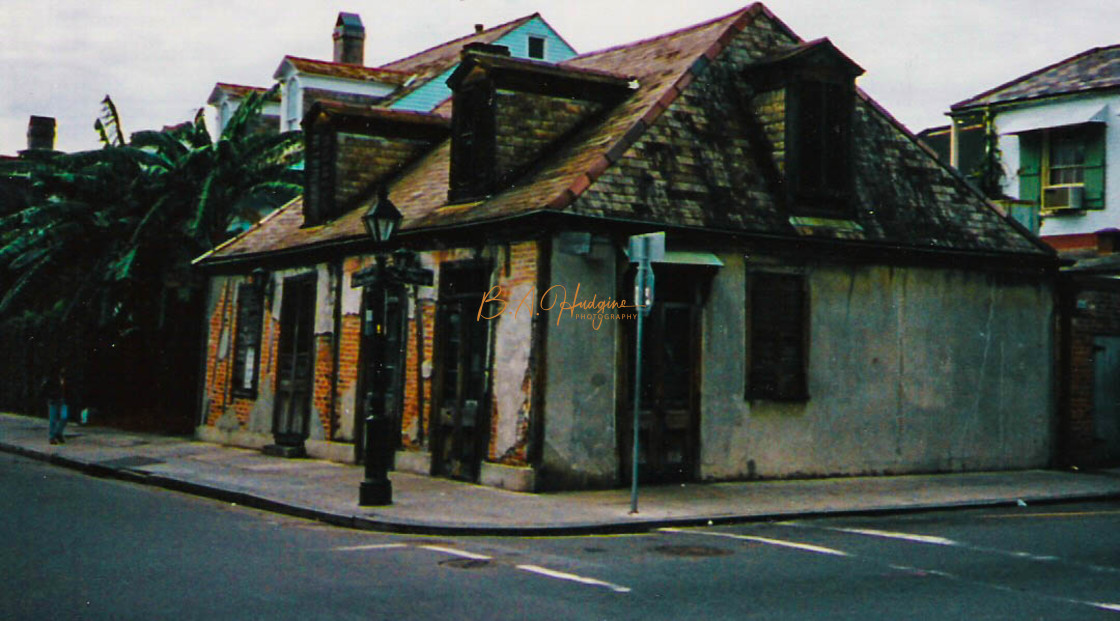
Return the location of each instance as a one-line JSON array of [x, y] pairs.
[[381, 222]]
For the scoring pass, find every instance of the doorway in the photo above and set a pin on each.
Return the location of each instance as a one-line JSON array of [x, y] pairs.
[[295, 361], [1106, 397], [669, 434], [461, 432], [381, 370]]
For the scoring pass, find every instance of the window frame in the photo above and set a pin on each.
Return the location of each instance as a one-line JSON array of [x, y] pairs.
[[472, 142], [529, 47], [820, 186], [250, 307], [762, 374], [1050, 139]]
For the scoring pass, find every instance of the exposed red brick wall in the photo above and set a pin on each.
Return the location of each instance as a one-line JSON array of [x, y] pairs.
[[324, 367], [218, 371]]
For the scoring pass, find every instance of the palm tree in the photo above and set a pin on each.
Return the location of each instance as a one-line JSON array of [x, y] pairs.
[[103, 241]]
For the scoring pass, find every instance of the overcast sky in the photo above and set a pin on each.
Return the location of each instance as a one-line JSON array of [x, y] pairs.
[[159, 59]]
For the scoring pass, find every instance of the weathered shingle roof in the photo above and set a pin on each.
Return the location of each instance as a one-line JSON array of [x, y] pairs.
[[1095, 69], [346, 71], [678, 152]]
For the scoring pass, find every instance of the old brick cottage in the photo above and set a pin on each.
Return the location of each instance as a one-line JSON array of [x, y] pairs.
[[833, 299]]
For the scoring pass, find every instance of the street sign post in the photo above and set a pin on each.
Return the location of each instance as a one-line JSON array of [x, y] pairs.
[[643, 250]]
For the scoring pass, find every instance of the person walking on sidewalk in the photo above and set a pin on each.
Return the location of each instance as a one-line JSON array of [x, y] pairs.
[[56, 406]]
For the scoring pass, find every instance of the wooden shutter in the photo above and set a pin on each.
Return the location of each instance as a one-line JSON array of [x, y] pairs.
[[778, 317], [1030, 167], [247, 343], [1094, 166]]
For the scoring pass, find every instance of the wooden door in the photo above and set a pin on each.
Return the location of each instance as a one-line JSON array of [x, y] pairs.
[[295, 361], [462, 417]]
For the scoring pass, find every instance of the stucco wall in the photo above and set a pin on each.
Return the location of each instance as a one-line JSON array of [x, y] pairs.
[[910, 369], [580, 447]]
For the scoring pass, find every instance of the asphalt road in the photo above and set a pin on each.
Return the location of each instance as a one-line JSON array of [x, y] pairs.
[[76, 547]]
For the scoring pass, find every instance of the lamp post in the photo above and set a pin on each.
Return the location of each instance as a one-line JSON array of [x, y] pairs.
[[381, 222]]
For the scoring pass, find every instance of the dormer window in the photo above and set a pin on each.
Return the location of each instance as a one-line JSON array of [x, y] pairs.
[[536, 48], [472, 149], [819, 160], [813, 143]]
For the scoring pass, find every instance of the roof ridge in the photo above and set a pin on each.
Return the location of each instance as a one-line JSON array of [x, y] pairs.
[[338, 64], [1023, 78], [754, 6], [511, 22]]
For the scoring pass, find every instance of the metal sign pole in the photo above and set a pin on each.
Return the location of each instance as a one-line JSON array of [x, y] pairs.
[[643, 266], [644, 249]]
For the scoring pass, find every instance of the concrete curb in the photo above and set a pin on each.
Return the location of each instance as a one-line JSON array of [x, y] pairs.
[[401, 526]]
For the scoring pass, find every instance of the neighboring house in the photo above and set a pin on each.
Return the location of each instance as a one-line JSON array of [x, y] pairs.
[[833, 300], [416, 83], [1057, 130], [227, 98]]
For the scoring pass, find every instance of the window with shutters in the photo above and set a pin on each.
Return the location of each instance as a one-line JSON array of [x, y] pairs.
[[247, 342], [1062, 169], [819, 166], [778, 324]]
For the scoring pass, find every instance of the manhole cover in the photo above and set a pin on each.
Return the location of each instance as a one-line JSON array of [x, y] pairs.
[[691, 551], [465, 563], [131, 462]]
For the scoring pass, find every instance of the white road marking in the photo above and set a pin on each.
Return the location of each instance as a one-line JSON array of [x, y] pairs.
[[551, 573], [454, 552], [774, 542], [374, 546], [932, 539]]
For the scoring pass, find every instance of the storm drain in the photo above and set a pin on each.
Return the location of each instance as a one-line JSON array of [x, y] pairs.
[[135, 461], [691, 551], [465, 563]]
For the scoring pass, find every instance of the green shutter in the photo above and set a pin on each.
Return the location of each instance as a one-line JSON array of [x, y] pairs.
[[1030, 165], [1094, 167]]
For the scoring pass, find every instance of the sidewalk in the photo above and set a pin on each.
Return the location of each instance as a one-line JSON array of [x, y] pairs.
[[424, 505]]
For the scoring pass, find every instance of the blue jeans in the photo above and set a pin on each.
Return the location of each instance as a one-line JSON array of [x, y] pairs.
[[56, 410]]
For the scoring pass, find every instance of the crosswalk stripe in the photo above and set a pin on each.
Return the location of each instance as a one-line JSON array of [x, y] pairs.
[[774, 542], [552, 573]]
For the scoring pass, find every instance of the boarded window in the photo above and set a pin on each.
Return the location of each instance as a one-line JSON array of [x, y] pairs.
[[777, 327], [820, 166], [250, 311]]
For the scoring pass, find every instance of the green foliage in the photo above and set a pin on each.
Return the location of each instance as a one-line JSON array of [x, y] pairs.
[[105, 238], [989, 173]]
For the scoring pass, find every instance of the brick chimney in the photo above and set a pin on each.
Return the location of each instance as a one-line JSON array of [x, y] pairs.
[[40, 133], [349, 39]]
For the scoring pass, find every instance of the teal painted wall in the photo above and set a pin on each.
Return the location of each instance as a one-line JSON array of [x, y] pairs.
[[435, 92]]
